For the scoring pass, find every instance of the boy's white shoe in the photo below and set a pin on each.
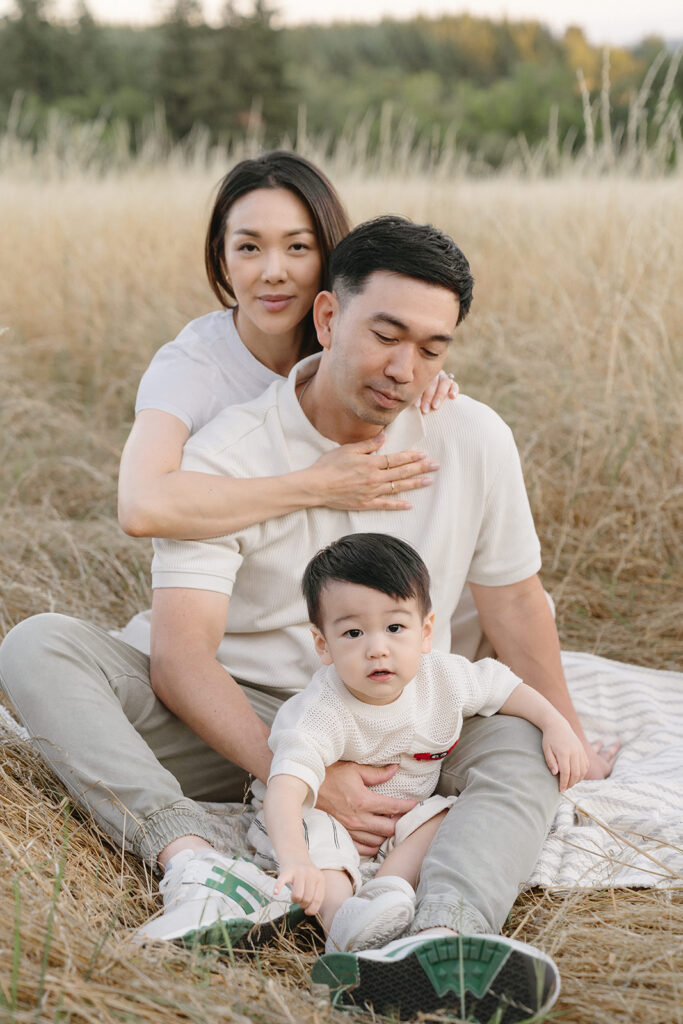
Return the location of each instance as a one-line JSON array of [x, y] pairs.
[[381, 910], [481, 977], [215, 899]]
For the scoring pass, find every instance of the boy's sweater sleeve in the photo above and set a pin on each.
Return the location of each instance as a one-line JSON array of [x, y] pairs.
[[306, 738], [489, 684]]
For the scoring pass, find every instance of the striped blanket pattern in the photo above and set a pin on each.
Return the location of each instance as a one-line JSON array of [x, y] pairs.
[[626, 830]]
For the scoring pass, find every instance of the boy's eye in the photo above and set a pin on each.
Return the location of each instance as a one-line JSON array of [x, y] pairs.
[[395, 627], [353, 634]]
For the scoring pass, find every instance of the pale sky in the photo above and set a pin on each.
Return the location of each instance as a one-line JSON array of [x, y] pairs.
[[604, 21]]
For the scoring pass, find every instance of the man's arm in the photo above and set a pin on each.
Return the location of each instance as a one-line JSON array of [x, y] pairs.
[[517, 620], [187, 627]]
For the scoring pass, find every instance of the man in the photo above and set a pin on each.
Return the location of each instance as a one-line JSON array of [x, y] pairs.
[[230, 635], [398, 291]]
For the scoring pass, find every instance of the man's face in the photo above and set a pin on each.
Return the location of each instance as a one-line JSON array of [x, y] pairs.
[[386, 343]]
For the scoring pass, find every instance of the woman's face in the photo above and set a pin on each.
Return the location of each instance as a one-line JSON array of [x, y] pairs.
[[273, 260]]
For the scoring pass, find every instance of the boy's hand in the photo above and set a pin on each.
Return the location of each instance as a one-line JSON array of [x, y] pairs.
[[306, 881], [564, 753]]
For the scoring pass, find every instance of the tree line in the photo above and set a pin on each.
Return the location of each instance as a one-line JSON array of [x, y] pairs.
[[488, 81]]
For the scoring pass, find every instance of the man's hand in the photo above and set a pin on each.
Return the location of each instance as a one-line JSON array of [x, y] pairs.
[[369, 817], [307, 883], [600, 758]]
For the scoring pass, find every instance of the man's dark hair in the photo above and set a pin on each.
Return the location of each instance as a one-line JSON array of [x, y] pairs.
[[399, 246], [373, 560]]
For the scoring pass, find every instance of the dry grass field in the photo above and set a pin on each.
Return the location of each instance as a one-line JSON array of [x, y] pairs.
[[575, 336]]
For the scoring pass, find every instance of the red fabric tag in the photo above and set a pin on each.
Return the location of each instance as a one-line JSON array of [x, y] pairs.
[[433, 757]]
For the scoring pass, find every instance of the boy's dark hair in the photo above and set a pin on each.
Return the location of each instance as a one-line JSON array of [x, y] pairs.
[[373, 560], [399, 246]]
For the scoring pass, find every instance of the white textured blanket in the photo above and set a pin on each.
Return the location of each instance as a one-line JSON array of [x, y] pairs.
[[624, 831]]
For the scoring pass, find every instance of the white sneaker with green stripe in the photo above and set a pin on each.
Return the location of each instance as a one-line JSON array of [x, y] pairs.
[[486, 979], [216, 900]]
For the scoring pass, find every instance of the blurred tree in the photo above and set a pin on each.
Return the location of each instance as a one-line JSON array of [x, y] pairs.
[[220, 77], [34, 54], [262, 70], [180, 64], [491, 80], [581, 56]]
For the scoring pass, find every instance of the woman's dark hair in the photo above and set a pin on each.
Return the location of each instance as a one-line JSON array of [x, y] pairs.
[[373, 560], [399, 246], [278, 169]]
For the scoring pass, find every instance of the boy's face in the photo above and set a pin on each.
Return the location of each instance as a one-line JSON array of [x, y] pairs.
[[373, 640]]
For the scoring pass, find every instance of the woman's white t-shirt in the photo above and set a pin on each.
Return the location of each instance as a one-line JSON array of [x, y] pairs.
[[206, 368]]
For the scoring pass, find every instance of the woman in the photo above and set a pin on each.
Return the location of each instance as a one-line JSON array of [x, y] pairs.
[[274, 222]]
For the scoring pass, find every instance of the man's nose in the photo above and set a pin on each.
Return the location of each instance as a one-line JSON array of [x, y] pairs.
[[274, 268], [401, 365]]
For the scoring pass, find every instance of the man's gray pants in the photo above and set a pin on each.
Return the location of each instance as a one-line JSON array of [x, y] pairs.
[[86, 698]]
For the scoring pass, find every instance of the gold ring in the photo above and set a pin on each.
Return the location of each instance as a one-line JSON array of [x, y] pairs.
[[388, 465]]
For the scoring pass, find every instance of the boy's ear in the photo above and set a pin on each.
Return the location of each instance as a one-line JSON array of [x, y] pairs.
[[321, 646], [427, 633]]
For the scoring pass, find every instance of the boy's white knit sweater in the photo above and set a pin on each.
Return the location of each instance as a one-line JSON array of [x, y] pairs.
[[325, 723]]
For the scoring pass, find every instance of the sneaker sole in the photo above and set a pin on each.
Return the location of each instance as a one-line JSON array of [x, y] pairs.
[[237, 932], [483, 978]]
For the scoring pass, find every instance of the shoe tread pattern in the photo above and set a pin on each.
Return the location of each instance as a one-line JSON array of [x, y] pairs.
[[500, 983]]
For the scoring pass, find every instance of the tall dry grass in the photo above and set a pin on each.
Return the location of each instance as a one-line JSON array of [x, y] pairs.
[[574, 336]]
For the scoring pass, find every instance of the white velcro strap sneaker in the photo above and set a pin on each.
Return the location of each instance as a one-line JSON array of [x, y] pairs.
[[216, 900], [381, 910]]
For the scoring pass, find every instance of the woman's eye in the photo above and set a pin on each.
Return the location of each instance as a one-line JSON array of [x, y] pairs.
[[247, 247], [395, 627], [299, 247]]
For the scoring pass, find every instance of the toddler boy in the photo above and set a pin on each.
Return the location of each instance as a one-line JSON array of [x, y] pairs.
[[381, 697]]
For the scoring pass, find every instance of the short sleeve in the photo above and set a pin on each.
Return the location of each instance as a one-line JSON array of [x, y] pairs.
[[507, 548], [202, 371], [305, 738], [177, 384], [210, 564], [196, 565], [489, 684]]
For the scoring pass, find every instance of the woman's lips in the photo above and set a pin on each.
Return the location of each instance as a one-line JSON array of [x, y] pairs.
[[275, 303]]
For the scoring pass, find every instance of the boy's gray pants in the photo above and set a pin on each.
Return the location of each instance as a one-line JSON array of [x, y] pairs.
[[86, 698]]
